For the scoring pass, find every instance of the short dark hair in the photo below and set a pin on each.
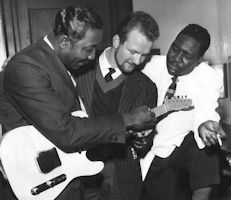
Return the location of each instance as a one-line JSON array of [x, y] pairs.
[[200, 34], [74, 22], [138, 20]]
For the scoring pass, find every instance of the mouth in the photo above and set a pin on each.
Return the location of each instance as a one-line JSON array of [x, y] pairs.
[[131, 65], [128, 66], [172, 68], [81, 63]]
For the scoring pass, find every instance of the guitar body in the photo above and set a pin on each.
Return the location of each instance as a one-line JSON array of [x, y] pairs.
[[38, 170], [19, 153]]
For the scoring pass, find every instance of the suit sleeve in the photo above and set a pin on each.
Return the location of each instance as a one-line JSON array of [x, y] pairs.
[[48, 104], [206, 103]]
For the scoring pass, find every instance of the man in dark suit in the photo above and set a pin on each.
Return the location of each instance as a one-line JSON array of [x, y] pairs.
[[126, 89], [37, 89]]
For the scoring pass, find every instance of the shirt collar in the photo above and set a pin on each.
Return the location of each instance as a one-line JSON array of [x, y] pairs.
[[105, 65], [48, 42]]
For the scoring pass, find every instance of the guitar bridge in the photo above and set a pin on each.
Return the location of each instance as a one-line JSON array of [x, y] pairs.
[[49, 184]]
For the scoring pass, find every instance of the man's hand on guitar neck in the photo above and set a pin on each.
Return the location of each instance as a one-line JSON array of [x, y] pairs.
[[140, 118]]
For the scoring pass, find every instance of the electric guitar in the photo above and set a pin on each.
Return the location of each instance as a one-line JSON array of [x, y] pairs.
[[38, 170]]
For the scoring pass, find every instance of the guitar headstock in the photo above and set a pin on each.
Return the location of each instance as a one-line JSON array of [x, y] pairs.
[[178, 104]]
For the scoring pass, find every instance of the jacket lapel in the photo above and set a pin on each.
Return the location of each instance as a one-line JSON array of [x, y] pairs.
[[58, 67]]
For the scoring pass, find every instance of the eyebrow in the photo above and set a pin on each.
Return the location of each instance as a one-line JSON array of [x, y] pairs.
[[91, 46], [178, 46], [137, 52]]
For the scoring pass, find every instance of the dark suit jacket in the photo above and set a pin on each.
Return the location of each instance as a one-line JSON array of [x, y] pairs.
[[36, 89], [137, 90]]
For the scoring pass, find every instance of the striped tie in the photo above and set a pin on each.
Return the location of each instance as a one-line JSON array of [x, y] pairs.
[[172, 88], [108, 77]]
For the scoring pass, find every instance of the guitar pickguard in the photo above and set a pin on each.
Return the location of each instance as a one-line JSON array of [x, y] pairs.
[[48, 160]]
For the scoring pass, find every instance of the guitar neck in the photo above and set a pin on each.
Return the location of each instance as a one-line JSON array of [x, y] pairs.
[[160, 110], [172, 105]]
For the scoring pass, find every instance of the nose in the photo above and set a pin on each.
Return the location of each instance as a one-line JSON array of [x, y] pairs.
[[92, 55], [178, 56], [137, 58]]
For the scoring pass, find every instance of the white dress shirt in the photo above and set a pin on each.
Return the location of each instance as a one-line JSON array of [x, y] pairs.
[[201, 85], [105, 65]]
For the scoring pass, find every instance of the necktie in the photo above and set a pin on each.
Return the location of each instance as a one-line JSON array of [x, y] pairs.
[[172, 88], [108, 77]]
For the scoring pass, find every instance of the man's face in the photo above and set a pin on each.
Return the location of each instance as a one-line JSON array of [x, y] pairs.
[[133, 51], [183, 55], [78, 53]]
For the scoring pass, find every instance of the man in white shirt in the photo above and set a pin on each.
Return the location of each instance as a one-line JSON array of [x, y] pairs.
[[179, 145]]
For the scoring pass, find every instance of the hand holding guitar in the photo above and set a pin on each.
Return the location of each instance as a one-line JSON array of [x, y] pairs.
[[141, 141], [141, 118]]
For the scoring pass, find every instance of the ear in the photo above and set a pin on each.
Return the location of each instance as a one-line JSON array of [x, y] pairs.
[[116, 41], [200, 60], [63, 41]]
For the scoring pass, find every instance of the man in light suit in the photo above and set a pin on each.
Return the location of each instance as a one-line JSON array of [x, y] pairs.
[[37, 89], [127, 89]]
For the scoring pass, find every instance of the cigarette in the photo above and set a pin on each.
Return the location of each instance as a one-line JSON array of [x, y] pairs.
[[219, 139]]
